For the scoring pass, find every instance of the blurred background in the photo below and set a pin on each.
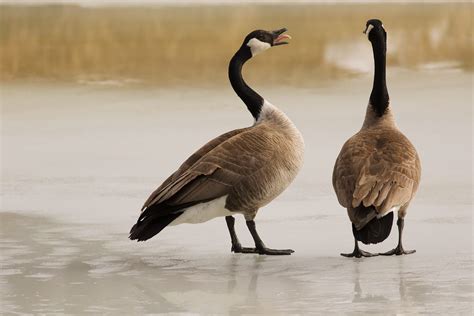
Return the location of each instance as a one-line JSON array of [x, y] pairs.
[[102, 100], [192, 44]]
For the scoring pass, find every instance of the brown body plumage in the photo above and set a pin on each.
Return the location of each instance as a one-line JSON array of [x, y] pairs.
[[377, 167], [251, 166]]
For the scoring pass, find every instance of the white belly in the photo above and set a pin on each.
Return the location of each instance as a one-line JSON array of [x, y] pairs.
[[203, 212]]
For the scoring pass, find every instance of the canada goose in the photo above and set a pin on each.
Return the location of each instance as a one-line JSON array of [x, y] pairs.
[[378, 170], [235, 173]]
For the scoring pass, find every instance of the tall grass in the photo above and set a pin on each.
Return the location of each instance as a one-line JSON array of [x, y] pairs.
[[189, 44]]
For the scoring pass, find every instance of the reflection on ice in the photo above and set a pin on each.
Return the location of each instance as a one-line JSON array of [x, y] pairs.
[[122, 279]]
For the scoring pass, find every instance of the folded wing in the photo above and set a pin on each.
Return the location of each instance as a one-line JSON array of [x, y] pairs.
[[377, 170]]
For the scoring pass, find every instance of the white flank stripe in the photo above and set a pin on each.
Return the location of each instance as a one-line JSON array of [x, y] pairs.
[[203, 212], [393, 209]]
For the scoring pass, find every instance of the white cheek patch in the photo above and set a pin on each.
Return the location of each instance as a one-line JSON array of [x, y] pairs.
[[369, 28], [257, 46]]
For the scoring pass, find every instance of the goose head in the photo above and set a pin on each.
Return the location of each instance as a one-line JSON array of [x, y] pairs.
[[375, 31], [259, 40]]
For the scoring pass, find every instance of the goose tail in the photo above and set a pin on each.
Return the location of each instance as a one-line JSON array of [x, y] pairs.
[[149, 224], [376, 230]]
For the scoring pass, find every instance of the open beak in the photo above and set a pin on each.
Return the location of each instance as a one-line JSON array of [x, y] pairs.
[[279, 37]]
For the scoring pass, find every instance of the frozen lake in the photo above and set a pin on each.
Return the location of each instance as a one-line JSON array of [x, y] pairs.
[[79, 160]]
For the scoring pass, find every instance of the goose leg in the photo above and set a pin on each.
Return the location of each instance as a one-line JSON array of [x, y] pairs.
[[236, 246], [399, 249], [358, 253], [260, 246]]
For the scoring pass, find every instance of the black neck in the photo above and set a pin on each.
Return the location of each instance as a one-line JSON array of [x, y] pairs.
[[251, 98], [379, 98]]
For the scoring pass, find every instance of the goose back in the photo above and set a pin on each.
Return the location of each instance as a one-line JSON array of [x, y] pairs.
[[377, 167]]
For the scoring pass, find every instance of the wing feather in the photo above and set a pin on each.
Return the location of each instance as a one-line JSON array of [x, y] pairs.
[[379, 168], [214, 170], [177, 176]]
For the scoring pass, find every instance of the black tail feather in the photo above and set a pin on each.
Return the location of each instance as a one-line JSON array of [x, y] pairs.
[[377, 230], [148, 226], [156, 217]]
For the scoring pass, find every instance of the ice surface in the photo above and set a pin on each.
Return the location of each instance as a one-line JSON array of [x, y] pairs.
[[78, 162]]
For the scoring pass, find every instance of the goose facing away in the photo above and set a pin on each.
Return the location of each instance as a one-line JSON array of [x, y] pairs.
[[235, 173], [378, 170]]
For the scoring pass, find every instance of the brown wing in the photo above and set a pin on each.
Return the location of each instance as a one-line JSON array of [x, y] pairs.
[[187, 164], [379, 168], [212, 172]]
